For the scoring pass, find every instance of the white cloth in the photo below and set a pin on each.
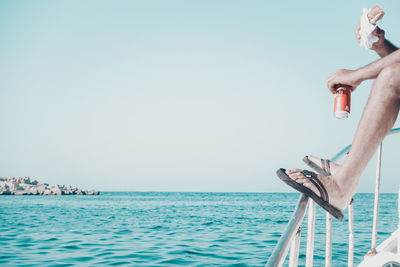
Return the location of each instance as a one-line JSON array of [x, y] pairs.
[[366, 29]]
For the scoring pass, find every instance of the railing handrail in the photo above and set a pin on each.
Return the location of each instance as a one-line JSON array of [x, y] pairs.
[[280, 251], [343, 152]]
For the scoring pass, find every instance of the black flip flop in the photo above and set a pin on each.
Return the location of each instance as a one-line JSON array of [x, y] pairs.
[[322, 200], [325, 171]]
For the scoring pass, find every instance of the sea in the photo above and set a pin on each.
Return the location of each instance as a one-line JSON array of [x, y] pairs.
[[172, 229]]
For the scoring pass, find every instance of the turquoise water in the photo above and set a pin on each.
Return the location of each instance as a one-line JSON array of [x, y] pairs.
[[169, 229]]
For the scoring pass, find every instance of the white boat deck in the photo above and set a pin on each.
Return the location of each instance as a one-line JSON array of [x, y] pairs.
[[387, 253]]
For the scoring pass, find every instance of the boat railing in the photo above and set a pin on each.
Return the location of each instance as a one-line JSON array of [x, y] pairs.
[[291, 236]]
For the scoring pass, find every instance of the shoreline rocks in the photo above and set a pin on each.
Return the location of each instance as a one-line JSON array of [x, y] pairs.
[[24, 186]]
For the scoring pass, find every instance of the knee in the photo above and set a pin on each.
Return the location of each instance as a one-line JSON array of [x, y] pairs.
[[390, 75]]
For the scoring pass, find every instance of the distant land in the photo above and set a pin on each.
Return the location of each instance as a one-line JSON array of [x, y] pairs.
[[24, 186]]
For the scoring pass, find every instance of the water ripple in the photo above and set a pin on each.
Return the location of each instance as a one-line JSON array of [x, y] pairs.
[[159, 229]]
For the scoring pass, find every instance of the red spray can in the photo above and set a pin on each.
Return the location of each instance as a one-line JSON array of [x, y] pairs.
[[342, 102]]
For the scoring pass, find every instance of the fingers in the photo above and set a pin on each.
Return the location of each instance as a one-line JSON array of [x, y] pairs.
[[381, 35], [338, 78], [331, 86], [376, 32], [330, 83]]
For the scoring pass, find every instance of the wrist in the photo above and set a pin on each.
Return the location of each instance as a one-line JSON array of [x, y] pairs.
[[361, 75], [379, 48], [379, 44]]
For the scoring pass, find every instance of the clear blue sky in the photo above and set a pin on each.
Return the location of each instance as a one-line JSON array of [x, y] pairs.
[[178, 95]]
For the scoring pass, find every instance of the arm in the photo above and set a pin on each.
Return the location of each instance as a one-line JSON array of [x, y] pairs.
[[389, 54], [353, 78], [372, 70]]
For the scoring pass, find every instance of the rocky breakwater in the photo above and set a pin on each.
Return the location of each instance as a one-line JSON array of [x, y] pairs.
[[24, 186]]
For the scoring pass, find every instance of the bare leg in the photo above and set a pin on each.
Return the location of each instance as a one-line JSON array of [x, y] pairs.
[[378, 118]]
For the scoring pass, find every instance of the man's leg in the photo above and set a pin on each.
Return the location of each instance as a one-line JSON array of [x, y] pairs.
[[378, 118]]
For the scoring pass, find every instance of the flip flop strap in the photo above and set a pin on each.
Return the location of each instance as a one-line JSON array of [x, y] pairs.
[[326, 165], [321, 188]]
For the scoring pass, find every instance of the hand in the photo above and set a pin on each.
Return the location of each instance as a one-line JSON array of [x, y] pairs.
[[343, 77], [378, 32]]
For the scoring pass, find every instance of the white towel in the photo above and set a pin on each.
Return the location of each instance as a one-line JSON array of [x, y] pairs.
[[366, 29]]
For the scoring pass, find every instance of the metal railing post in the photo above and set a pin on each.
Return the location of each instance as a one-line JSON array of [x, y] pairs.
[[294, 250], [310, 233], [376, 201], [328, 241], [350, 260], [398, 208], [398, 226], [281, 249]]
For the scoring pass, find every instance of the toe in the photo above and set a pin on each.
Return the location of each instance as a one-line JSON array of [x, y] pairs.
[[312, 187], [299, 176], [296, 175], [302, 180], [290, 171]]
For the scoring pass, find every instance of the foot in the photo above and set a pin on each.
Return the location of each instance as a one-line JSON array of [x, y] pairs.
[[333, 166], [338, 197]]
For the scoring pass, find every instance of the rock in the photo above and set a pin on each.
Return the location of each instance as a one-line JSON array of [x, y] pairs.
[[34, 191], [47, 192], [27, 180], [57, 191], [4, 186], [5, 190], [20, 193], [13, 185], [24, 186], [66, 192], [41, 189], [92, 192]]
